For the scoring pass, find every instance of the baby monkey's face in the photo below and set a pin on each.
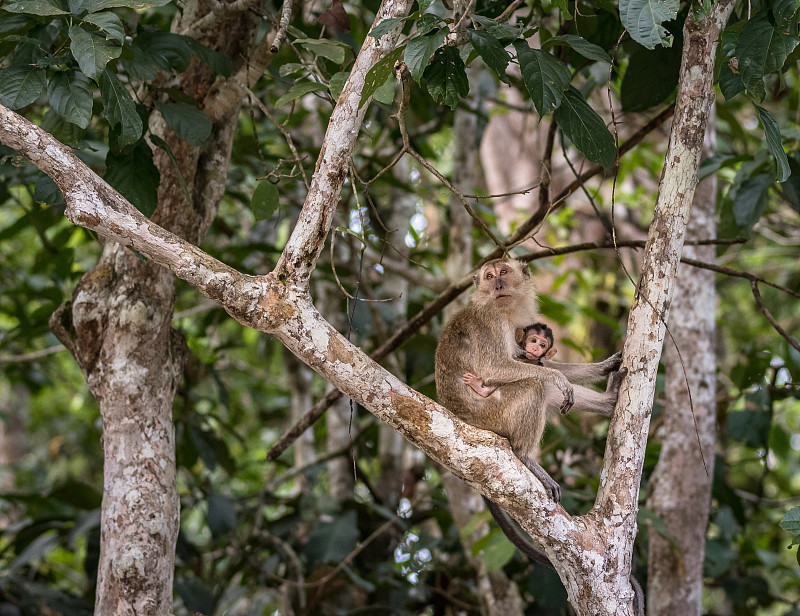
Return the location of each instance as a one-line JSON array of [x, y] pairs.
[[536, 345]]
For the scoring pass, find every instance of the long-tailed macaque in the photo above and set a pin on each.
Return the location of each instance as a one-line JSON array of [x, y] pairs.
[[480, 340]]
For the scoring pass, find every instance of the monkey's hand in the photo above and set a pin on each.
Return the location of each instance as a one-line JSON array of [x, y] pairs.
[[611, 364]]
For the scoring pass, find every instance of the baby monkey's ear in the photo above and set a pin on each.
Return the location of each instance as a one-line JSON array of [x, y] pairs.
[[550, 353], [519, 335]]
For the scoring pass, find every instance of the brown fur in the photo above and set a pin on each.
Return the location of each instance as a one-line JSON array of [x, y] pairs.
[[481, 339]]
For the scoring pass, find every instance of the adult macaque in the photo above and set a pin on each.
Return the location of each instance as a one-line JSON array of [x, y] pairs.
[[480, 340], [536, 344]]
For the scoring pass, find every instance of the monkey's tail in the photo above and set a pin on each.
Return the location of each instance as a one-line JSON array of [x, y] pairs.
[[525, 546]]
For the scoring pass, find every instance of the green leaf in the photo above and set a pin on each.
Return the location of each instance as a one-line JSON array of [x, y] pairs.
[[110, 23], [446, 77], [42, 8], [91, 52], [385, 93], [751, 199], [333, 50], [221, 515], [70, 95], [386, 26], [420, 49], [166, 50], [791, 187], [791, 521], [187, 121], [714, 163], [119, 108], [580, 45], [20, 85], [760, 50], [502, 32], [730, 83], [428, 22], [377, 75], [92, 6], [495, 550], [587, 130], [785, 12], [774, 142], [491, 51], [545, 77], [265, 200], [651, 77], [643, 19], [134, 175], [336, 83], [299, 90], [221, 64]]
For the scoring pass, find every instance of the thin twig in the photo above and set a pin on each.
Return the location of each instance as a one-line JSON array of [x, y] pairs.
[[283, 26], [757, 295]]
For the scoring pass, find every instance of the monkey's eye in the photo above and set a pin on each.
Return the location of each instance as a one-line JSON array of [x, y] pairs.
[[489, 275], [503, 272]]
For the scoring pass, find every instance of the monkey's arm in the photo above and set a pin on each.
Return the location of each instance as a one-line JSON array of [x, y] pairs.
[[507, 371], [587, 373]]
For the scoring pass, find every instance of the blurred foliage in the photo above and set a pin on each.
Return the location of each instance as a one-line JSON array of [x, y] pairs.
[[255, 535]]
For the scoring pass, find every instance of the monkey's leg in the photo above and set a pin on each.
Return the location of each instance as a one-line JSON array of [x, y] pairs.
[[587, 373], [587, 400]]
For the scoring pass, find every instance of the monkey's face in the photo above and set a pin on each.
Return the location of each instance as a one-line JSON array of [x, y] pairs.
[[501, 280]]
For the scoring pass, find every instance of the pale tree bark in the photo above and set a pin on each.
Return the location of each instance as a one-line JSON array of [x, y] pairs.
[[499, 596], [680, 488], [591, 553], [118, 327]]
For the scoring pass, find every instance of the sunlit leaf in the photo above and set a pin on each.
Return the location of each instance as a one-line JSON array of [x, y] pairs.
[[377, 75], [420, 49], [643, 19]]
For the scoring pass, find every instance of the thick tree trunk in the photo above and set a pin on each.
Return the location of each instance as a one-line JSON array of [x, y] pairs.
[[680, 487], [118, 326]]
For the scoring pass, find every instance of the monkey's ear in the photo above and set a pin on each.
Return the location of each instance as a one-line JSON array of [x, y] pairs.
[[475, 279], [526, 269], [519, 335], [550, 353]]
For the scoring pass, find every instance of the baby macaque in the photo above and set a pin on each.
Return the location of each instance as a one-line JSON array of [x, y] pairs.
[[536, 343]]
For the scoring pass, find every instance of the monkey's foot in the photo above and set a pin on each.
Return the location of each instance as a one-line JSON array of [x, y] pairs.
[[569, 400], [612, 363]]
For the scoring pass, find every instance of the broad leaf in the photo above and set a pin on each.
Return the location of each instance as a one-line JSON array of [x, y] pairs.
[[332, 50], [420, 49], [265, 200], [750, 200], [134, 175], [167, 50], [580, 45], [643, 19], [760, 50], [730, 83], [446, 77], [386, 26], [379, 73], [502, 32], [385, 93], [221, 514], [187, 121], [119, 108], [791, 521], [42, 8], [109, 23], [785, 12], [20, 85], [221, 64], [587, 130], [70, 95], [546, 78], [774, 142], [91, 52], [299, 90], [651, 77], [791, 187], [93, 6], [336, 83], [491, 51]]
